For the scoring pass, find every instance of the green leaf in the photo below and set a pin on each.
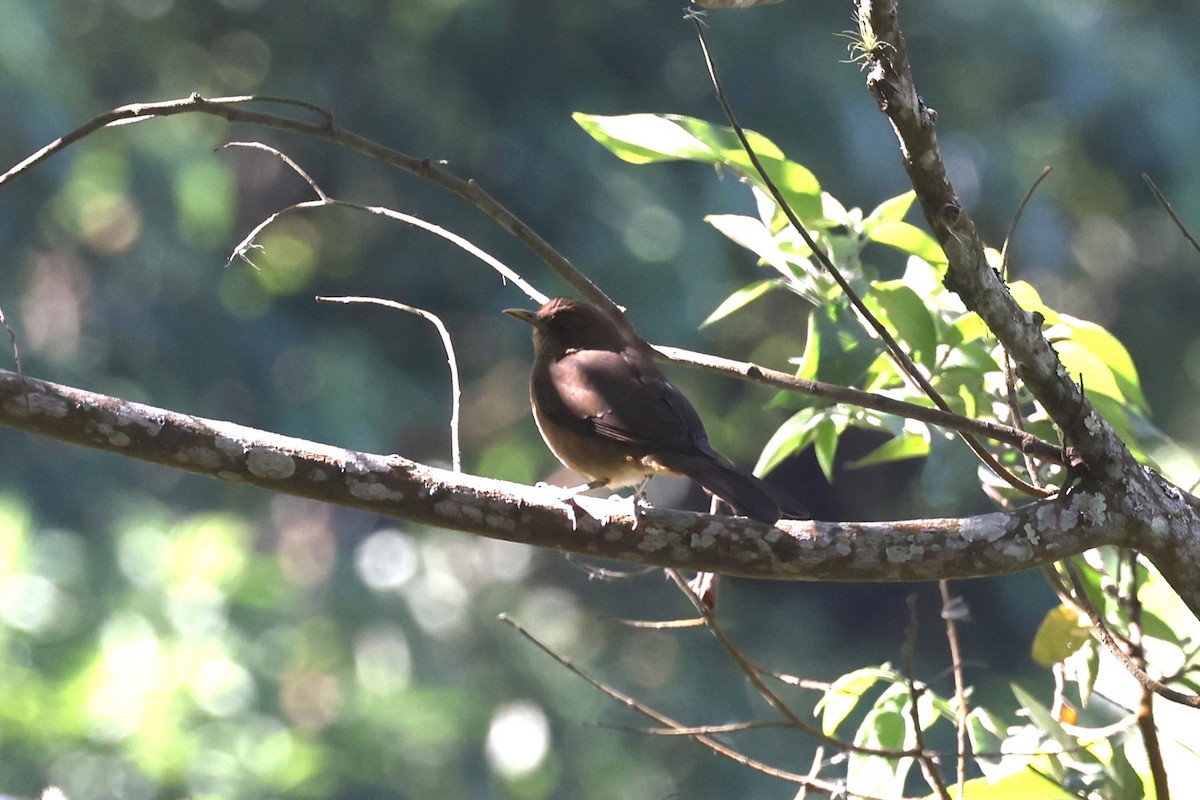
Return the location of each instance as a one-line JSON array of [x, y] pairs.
[[889, 726], [752, 234], [1082, 364], [791, 437], [648, 138], [1060, 636], [845, 693], [1026, 785], [1164, 614], [825, 446], [742, 297], [1123, 780], [991, 739], [898, 448], [1109, 350], [838, 350], [1083, 667], [891, 210], [910, 318], [909, 239]]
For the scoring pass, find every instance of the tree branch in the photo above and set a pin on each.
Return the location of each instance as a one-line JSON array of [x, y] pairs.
[[1165, 514], [890, 80], [990, 544]]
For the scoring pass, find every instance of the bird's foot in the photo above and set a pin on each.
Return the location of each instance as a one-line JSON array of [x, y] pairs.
[[640, 504], [567, 495]]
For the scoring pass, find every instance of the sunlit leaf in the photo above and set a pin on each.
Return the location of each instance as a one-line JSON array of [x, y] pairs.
[[898, 448], [753, 235], [647, 138], [891, 210], [739, 299], [1060, 636], [1083, 667], [844, 694], [909, 239], [888, 725], [1026, 785], [1044, 721], [1109, 351]]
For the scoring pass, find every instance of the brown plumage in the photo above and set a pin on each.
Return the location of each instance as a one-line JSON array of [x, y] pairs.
[[607, 412]]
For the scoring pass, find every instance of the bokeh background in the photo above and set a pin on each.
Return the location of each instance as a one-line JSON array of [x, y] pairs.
[[163, 635]]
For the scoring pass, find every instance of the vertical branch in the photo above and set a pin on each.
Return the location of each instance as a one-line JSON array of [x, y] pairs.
[[953, 609], [890, 80], [928, 767], [1145, 711]]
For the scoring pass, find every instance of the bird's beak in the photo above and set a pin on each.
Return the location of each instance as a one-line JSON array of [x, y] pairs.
[[523, 315]]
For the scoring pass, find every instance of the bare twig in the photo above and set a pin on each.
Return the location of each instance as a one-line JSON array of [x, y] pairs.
[[662, 719], [16, 351], [447, 344], [928, 767], [951, 613], [1024, 442], [232, 109], [1162, 201], [506, 272], [1145, 712], [752, 673], [1010, 383]]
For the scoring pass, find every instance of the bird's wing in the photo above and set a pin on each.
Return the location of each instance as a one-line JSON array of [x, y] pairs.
[[622, 396]]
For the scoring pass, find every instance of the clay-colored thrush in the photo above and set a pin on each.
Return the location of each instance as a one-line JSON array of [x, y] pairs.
[[608, 413]]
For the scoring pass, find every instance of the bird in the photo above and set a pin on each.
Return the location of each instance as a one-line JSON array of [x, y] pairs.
[[607, 412]]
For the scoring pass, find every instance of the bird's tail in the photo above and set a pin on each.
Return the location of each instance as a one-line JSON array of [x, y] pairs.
[[748, 495]]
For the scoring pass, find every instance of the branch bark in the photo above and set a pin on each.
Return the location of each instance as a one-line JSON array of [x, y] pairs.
[[990, 544], [1164, 514]]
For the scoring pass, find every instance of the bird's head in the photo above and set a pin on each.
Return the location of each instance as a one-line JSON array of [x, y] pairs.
[[564, 324]]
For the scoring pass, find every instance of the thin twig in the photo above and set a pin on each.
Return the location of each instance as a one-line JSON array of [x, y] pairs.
[[662, 719], [231, 109], [507, 273], [902, 359], [1010, 383], [1162, 201], [950, 615], [1016, 220], [455, 388], [1025, 442], [16, 351], [1145, 713], [752, 673], [930, 769], [664, 625], [702, 730]]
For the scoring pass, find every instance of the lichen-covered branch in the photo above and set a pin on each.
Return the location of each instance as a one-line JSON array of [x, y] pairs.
[[990, 544], [1162, 516], [890, 80]]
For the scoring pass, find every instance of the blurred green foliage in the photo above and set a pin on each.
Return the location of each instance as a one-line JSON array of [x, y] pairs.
[[161, 635]]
